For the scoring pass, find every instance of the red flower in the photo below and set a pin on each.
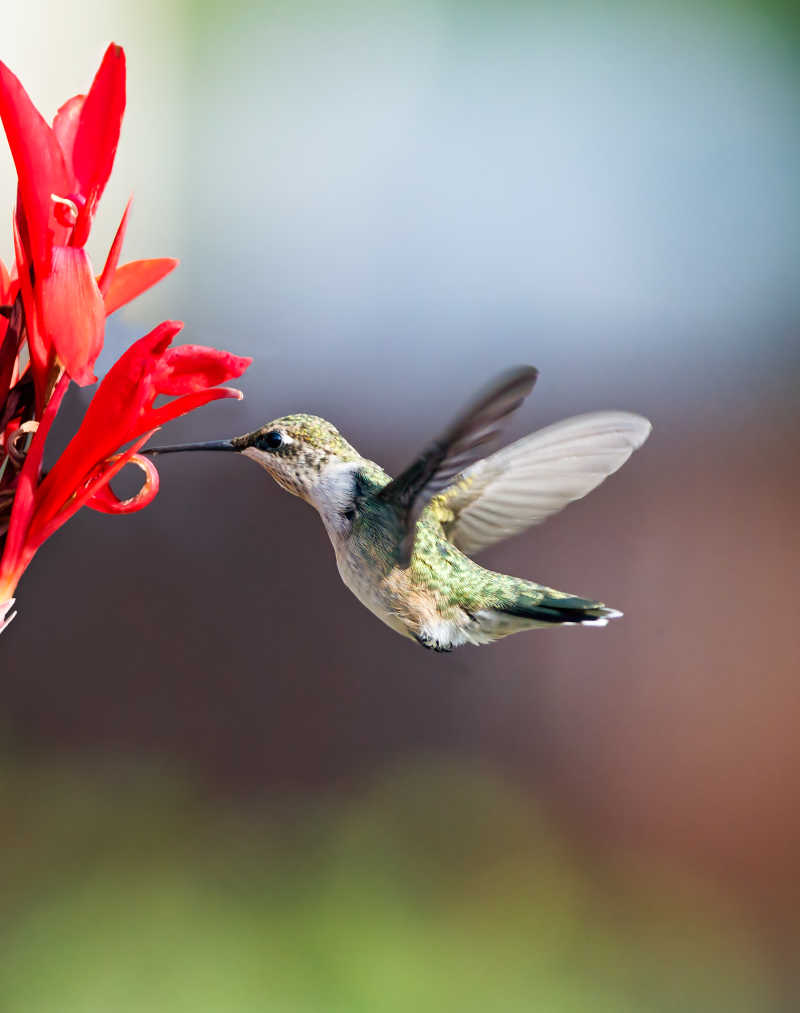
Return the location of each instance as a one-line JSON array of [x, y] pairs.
[[52, 319], [62, 172], [121, 410]]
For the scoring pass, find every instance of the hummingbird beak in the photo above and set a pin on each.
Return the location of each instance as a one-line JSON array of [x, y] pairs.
[[179, 447]]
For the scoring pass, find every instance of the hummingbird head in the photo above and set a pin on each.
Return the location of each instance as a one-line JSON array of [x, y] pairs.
[[297, 451], [305, 455]]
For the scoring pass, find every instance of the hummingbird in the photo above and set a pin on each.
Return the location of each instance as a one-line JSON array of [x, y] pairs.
[[403, 545]]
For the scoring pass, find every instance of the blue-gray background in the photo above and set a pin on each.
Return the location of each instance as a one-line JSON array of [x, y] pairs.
[[227, 786]]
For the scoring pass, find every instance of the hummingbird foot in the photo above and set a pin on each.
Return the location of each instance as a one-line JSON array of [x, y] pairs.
[[433, 645]]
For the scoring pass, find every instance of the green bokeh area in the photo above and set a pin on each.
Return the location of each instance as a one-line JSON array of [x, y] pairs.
[[435, 888]]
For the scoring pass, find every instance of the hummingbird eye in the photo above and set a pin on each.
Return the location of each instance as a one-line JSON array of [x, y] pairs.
[[272, 440]]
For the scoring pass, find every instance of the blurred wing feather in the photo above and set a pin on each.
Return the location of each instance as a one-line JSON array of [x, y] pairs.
[[530, 480], [454, 451]]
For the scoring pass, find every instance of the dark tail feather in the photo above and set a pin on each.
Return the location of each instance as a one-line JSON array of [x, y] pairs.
[[560, 610]]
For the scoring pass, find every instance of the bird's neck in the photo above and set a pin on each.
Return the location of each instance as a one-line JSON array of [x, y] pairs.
[[340, 493], [333, 495]]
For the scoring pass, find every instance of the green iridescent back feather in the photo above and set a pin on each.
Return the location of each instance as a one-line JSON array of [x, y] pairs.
[[439, 567]]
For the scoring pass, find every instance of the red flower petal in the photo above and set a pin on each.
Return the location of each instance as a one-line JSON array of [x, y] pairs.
[[40, 354], [189, 368], [115, 414], [12, 334], [189, 402], [106, 501], [97, 135], [71, 312], [40, 166], [65, 127], [104, 281], [5, 285], [134, 278], [15, 558]]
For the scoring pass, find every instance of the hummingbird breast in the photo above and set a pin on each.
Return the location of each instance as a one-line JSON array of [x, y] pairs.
[[374, 593], [417, 601]]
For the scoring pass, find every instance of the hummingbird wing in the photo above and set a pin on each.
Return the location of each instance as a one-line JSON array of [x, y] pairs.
[[530, 480], [454, 451]]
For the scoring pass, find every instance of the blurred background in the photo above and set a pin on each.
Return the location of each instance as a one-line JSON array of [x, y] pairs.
[[225, 785]]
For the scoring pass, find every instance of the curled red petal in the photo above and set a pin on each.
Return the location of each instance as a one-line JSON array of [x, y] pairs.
[[135, 277], [46, 523], [117, 413], [106, 501], [104, 281], [120, 411], [71, 315], [65, 127], [189, 368], [97, 136]]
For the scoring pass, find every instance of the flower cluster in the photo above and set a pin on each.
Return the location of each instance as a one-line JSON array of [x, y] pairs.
[[53, 310]]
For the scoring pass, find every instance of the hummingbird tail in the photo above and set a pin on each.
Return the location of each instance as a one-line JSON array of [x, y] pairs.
[[566, 611]]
